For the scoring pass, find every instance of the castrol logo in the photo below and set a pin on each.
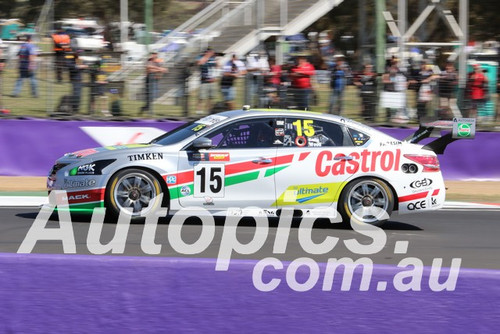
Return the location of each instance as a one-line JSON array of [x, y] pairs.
[[364, 161]]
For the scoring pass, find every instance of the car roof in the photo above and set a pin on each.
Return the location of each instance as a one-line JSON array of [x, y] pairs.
[[257, 112]]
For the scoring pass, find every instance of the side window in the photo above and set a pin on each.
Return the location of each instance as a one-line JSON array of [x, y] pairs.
[[245, 134], [358, 138], [303, 132]]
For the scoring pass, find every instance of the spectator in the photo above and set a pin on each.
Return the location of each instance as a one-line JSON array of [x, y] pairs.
[[395, 84], [27, 67], [76, 68], [477, 87], [339, 72], [207, 64], [257, 67], [367, 84], [273, 83], [233, 69], [448, 82], [98, 98], [153, 72], [423, 81], [62, 44], [301, 81]]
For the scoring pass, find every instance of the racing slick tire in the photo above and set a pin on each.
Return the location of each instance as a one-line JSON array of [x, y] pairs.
[[132, 190], [366, 201]]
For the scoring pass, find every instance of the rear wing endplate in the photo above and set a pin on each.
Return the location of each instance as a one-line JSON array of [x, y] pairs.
[[461, 128]]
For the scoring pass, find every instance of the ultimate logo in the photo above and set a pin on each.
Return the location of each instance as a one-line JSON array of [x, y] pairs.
[[309, 194]]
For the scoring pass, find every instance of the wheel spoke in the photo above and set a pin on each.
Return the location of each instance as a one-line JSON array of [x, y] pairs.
[[137, 181], [375, 192], [366, 191], [145, 199], [127, 203], [137, 206], [126, 184], [357, 196], [145, 189], [122, 193]]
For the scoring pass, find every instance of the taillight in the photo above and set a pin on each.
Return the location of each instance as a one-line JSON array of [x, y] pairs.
[[429, 162]]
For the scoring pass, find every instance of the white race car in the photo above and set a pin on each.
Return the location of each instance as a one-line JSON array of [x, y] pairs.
[[270, 159]]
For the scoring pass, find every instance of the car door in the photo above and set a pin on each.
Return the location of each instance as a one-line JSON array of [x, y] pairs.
[[237, 172], [316, 145]]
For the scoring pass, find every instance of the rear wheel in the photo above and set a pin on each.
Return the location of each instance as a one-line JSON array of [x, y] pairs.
[[134, 191], [366, 201]]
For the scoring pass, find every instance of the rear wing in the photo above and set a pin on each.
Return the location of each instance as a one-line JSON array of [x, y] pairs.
[[461, 128]]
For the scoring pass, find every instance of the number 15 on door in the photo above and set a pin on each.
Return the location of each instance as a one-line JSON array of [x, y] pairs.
[[209, 180]]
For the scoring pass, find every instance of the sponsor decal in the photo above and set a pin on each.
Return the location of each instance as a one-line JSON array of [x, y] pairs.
[[391, 143], [79, 197], [464, 128], [287, 140], [211, 119], [366, 161], [433, 201], [280, 122], [279, 132], [218, 157], [198, 127], [277, 142], [196, 156], [417, 205], [171, 179], [300, 141], [304, 194], [185, 191], [85, 183], [309, 194], [145, 156], [421, 183]]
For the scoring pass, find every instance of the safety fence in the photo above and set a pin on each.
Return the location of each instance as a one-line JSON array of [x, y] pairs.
[[78, 85], [30, 147]]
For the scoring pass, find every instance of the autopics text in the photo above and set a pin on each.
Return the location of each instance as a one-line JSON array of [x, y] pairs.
[[268, 272]]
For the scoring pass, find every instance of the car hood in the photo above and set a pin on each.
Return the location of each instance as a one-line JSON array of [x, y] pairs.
[[91, 152]]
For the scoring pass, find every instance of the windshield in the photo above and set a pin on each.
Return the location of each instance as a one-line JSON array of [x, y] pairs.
[[187, 130]]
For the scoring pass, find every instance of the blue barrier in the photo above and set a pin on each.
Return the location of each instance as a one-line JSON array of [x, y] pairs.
[[30, 147]]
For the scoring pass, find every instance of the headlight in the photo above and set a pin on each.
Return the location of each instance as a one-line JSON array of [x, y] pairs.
[[91, 168]]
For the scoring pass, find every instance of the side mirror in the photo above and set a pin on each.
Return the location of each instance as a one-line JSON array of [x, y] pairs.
[[202, 143]]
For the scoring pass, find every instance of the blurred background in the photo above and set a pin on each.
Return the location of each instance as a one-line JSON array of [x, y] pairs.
[[380, 61]]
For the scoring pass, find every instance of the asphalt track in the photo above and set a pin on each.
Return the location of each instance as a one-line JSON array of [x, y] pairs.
[[472, 235]]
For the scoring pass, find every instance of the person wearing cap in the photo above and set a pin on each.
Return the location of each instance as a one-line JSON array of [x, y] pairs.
[[477, 86], [301, 81], [153, 72], [27, 67], [206, 93]]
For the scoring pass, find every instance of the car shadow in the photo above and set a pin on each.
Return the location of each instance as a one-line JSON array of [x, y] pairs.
[[321, 223]]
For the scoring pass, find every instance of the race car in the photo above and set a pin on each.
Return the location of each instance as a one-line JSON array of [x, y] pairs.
[[269, 159]]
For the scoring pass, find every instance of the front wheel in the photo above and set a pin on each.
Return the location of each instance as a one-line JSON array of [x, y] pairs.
[[366, 201], [134, 191]]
